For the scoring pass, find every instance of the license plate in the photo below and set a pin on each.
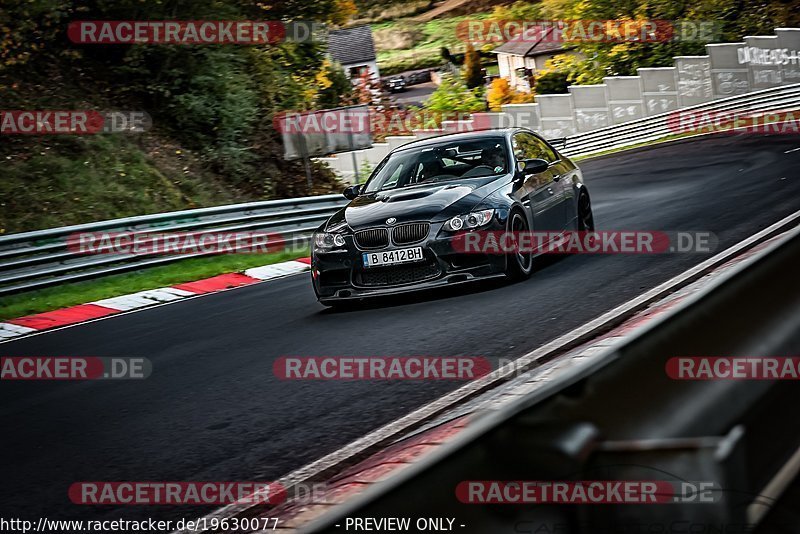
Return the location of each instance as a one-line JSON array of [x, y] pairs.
[[391, 257]]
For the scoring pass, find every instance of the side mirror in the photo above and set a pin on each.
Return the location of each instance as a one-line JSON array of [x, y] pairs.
[[352, 192], [526, 167]]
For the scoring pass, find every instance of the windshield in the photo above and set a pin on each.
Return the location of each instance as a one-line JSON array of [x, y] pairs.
[[440, 163]]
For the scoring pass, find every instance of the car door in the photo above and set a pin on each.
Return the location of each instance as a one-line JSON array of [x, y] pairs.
[[562, 172], [543, 194]]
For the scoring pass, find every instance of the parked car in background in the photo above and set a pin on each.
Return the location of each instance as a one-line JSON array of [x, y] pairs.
[[396, 84]]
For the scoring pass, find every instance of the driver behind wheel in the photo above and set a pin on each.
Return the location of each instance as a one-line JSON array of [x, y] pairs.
[[492, 162], [430, 166]]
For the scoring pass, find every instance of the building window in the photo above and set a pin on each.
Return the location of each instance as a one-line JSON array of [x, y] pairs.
[[358, 72]]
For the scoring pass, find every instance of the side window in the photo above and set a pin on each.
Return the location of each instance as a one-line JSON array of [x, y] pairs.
[[550, 154], [528, 146], [392, 181]]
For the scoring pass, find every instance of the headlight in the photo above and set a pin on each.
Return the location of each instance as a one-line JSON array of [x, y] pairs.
[[327, 241], [476, 219]]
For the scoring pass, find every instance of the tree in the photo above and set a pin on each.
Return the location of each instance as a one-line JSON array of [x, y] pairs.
[[335, 88], [446, 55], [500, 92], [473, 76]]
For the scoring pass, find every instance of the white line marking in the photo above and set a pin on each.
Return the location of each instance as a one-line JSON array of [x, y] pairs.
[[8, 330], [792, 150], [142, 299], [268, 272]]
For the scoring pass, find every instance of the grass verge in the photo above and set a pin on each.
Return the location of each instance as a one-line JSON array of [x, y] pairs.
[[189, 270]]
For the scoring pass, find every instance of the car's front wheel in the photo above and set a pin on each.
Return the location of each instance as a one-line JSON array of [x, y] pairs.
[[585, 216], [519, 263]]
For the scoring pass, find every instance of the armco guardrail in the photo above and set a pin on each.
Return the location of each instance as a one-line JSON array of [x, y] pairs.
[[37, 259], [623, 417], [784, 98]]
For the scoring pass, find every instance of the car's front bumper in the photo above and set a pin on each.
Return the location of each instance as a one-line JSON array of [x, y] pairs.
[[341, 275]]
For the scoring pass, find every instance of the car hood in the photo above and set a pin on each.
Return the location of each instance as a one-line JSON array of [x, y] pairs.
[[420, 203]]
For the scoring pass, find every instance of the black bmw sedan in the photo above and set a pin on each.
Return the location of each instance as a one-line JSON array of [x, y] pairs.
[[401, 228]]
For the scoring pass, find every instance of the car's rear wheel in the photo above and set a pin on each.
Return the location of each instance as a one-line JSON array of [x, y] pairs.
[[519, 264]]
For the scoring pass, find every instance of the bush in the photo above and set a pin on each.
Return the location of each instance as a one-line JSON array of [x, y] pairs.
[[453, 95], [414, 61], [500, 92], [552, 83]]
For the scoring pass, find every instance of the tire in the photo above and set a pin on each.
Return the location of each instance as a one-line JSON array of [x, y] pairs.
[[585, 215], [519, 265]]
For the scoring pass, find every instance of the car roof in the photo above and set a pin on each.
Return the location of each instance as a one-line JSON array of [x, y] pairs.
[[462, 136]]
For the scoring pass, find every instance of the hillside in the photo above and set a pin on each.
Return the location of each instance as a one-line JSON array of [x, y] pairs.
[[212, 140]]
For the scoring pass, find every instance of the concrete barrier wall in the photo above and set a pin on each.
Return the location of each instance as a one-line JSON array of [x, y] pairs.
[[762, 59], [728, 76], [659, 87], [521, 115], [789, 40], [624, 98], [694, 80], [590, 107], [396, 141], [557, 115], [729, 69], [425, 134]]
